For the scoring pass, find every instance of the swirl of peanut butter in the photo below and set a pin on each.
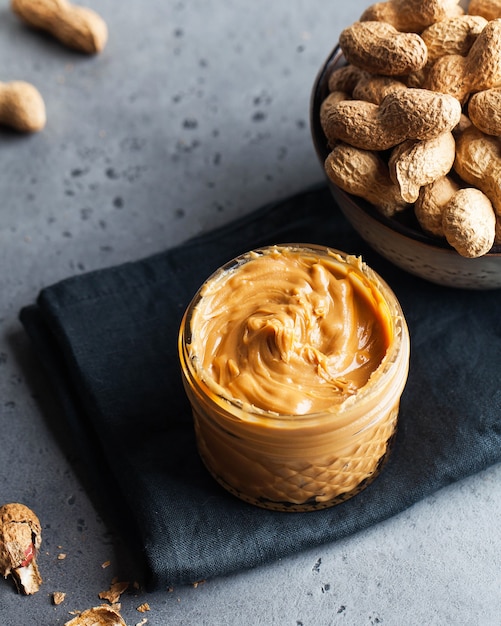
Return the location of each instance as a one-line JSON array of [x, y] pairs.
[[289, 330]]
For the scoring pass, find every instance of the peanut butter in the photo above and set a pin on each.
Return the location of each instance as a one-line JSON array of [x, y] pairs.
[[290, 332], [294, 359]]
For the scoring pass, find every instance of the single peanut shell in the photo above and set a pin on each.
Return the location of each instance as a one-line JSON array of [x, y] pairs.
[[403, 114], [452, 36], [73, 25], [412, 15], [374, 88], [356, 122], [430, 204], [419, 113], [363, 173], [478, 163], [334, 98], [345, 78], [469, 222], [489, 9], [414, 164], [484, 111], [417, 79], [22, 107], [379, 48]]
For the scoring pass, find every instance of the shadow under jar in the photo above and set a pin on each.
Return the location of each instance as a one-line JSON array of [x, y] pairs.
[[294, 358]]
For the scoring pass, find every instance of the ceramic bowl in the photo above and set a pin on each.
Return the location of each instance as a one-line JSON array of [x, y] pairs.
[[400, 239]]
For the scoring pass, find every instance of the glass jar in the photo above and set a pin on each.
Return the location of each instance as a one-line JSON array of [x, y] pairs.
[[295, 461]]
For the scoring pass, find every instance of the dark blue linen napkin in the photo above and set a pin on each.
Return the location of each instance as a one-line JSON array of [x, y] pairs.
[[108, 340]]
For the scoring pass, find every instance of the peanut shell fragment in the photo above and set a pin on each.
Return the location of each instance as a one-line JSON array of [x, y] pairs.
[[98, 616], [58, 597], [114, 592], [20, 540]]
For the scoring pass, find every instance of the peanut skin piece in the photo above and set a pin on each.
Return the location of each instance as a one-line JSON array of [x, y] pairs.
[[22, 107], [480, 69], [379, 48], [469, 222], [452, 36], [74, 26], [430, 204], [363, 173], [484, 111], [414, 164], [402, 114], [411, 15], [490, 9]]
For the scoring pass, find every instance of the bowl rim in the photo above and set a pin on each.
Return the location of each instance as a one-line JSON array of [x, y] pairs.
[[319, 92]]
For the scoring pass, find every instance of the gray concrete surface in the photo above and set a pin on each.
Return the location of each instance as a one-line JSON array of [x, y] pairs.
[[195, 113]]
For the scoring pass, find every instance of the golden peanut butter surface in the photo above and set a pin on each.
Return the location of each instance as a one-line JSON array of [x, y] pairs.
[[290, 332]]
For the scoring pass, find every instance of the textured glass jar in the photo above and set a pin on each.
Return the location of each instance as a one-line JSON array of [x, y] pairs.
[[304, 462]]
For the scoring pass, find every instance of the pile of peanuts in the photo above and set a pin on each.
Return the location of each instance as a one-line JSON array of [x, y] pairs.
[[413, 120], [22, 107]]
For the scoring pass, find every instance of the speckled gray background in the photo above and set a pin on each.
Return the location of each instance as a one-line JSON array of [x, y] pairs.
[[195, 113]]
